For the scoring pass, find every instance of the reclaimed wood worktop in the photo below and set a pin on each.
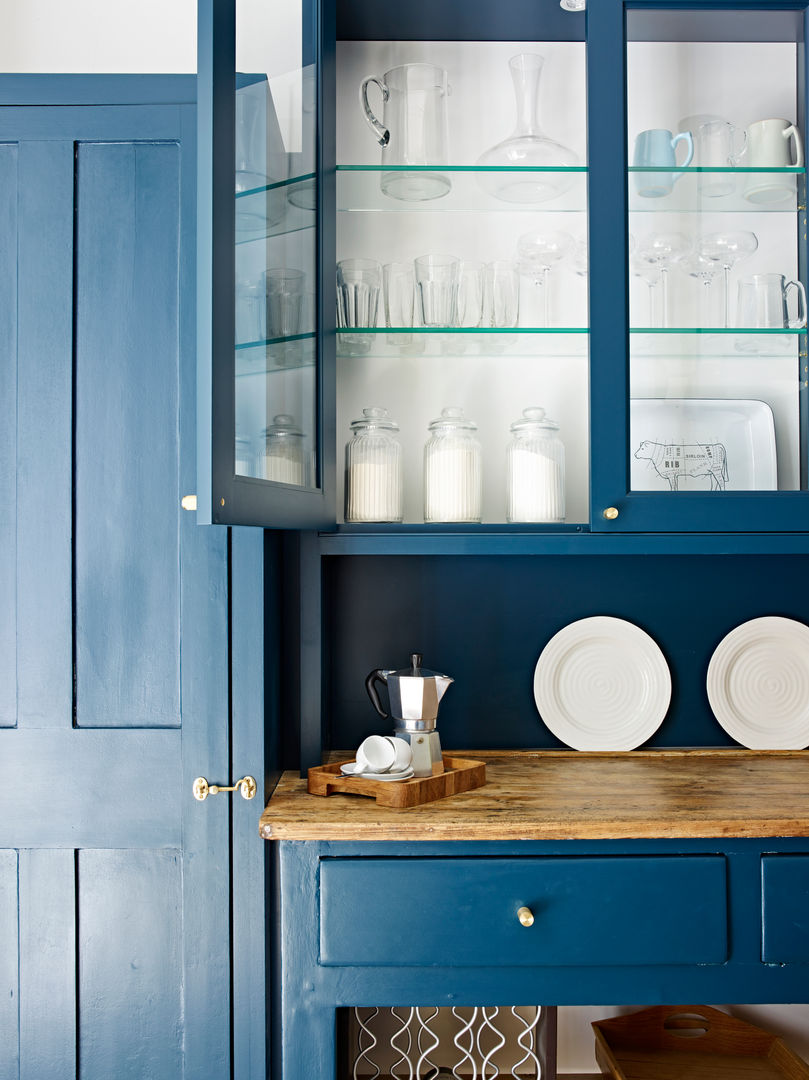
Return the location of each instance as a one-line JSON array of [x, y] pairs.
[[570, 795]]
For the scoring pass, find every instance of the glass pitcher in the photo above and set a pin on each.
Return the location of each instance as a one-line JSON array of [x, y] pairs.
[[413, 129]]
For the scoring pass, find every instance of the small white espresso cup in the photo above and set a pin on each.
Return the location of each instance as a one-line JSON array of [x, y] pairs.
[[383, 753]]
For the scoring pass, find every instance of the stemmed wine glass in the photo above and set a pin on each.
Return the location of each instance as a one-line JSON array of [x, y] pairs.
[[726, 249], [537, 254], [696, 265], [661, 251]]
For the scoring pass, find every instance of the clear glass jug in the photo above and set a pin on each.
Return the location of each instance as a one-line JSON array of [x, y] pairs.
[[413, 129]]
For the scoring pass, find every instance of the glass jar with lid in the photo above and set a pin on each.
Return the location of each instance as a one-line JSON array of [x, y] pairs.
[[373, 477], [283, 458], [452, 469], [535, 462]]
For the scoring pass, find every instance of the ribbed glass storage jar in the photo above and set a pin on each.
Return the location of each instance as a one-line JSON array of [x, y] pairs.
[[284, 456], [373, 480], [452, 469], [535, 464]]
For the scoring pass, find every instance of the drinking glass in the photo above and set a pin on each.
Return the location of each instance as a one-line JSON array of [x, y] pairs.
[[250, 311], [661, 251], [704, 270], [470, 294], [538, 253], [358, 285], [399, 290], [284, 291], [501, 294], [438, 279], [726, 249]]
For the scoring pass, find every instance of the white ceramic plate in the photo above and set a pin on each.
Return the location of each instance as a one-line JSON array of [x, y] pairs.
[[348, 770], [702, 444], [758, 684], [602, 684]]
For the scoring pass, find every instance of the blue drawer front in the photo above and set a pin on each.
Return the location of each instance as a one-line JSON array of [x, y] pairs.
[[620, 911], [785, 909]]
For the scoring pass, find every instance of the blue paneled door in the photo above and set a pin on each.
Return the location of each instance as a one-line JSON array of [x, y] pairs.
[[126, 631]]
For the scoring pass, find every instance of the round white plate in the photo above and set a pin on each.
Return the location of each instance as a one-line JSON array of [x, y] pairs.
[[348, 770], [758, 684], [602, 684]]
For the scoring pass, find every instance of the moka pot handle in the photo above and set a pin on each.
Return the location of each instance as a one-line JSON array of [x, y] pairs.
[[377, 675]]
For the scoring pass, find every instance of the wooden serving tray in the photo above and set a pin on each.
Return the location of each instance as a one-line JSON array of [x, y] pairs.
[[691, 1042], [460, 774]]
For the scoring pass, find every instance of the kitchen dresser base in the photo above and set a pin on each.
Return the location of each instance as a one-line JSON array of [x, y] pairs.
[[430, 914]]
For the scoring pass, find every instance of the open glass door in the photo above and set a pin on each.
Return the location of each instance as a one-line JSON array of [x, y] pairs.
[[262, 397]]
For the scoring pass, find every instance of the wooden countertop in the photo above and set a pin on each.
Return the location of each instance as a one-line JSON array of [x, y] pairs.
[[569, 795]]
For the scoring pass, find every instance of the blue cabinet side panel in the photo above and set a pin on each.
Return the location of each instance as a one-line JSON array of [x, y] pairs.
[[127, 496], [130, 978], [9, 966], [8, 433], [48, 974], [785, 909]]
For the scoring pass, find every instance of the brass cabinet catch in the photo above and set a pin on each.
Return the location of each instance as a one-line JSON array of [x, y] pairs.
[[202, 789]]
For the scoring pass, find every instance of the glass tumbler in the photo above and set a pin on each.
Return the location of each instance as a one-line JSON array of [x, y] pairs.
[[283, 458], [452, 469], [399, 291], [250, 312], [373, 477], [438, 278], [501, 296], [470, 294], [284, 289], [535, 469], [358, 285]]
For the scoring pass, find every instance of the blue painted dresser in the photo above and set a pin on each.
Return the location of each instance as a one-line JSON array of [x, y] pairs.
[[656, 877]]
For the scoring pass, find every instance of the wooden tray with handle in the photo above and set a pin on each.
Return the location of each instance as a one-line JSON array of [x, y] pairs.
[[691, 1042], [459, 775]]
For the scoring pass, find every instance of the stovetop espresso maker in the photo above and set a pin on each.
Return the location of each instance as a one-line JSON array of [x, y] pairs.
[[414, 694]]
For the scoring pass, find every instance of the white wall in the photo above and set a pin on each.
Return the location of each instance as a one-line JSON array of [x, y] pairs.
[[160, 36], [98, 36]]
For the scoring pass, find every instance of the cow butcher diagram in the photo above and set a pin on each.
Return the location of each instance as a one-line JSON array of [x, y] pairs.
[[675, 461]]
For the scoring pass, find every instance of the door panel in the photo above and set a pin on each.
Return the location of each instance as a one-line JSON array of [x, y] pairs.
[[47, 991], [130, 903], [9, 957], [127, 525], [8, 411]]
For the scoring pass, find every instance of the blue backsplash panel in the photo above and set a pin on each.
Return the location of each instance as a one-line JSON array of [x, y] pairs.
[[485, 620]]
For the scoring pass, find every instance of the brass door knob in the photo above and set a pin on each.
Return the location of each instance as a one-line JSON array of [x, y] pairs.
[[202, 789], [611, 513], [526, 916]]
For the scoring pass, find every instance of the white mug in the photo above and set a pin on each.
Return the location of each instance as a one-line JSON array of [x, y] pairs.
[[768, 147], [383, 753]]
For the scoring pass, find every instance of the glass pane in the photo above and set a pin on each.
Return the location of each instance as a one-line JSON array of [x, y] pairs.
[[275, 208], [470, 223], [716, 203]]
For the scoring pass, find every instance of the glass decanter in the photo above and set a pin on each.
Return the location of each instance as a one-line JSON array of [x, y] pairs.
[[528, 147]]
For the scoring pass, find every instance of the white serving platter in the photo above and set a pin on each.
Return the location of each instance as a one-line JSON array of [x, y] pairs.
[[702, 444]]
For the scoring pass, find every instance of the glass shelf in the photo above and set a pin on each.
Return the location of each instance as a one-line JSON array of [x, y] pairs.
[[724, 190], [276, 209], [358, 189], [428, 341], [699, 341], [276, 354]]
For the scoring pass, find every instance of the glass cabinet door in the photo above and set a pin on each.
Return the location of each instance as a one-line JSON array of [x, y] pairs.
[[713, 247], [262, 396]]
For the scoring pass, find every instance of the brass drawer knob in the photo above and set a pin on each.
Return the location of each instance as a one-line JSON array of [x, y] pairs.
[[611, 513], [526, 916]]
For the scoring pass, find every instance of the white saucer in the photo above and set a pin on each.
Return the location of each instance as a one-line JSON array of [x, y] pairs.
[[348, 770]]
